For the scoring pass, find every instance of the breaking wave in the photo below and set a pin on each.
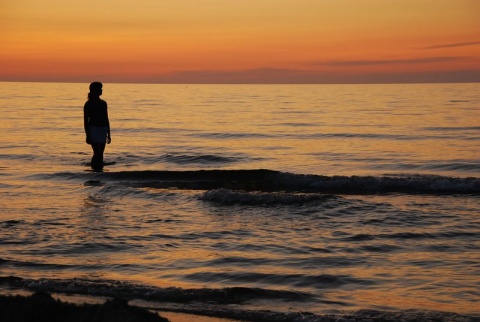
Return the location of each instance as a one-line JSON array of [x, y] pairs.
[[275, 181]]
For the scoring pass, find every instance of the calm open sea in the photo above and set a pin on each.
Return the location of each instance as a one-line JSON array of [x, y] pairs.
[[247, 201]]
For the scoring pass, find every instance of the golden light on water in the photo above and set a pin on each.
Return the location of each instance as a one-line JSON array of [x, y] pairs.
[[362, 247]]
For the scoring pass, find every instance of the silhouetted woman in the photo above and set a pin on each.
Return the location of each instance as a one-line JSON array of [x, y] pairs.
[[96, 124]]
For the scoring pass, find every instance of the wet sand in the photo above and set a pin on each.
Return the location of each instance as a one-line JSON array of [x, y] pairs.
[[182, 317]]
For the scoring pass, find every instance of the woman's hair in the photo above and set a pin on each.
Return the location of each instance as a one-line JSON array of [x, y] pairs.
[[95, 90]]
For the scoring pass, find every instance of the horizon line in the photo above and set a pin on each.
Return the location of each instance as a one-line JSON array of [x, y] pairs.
[[240, 83]]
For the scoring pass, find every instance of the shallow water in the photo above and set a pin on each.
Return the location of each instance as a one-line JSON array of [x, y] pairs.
[[368, 197]]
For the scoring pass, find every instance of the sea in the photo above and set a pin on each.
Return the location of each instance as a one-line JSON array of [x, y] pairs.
[[248, 202]]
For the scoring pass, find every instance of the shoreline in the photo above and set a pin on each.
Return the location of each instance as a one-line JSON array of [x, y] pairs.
[[43, 306], [25, 306]]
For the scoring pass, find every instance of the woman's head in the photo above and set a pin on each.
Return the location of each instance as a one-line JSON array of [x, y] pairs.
[[95, 90]]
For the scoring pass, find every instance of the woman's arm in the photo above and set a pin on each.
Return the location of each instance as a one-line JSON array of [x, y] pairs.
[[86, 118], [109, 137]]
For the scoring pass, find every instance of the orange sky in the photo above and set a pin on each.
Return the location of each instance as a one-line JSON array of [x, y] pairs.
[[240, 41]]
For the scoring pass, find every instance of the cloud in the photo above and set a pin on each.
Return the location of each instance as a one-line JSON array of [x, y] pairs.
[[376, 62], [292, 76], [268, 76], [460, 44]]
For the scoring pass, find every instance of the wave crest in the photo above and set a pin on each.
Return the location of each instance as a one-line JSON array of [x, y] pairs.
[[275, 181], [230, 197]]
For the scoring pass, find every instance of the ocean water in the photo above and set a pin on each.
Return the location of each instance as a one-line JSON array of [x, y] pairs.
[[254, 202]]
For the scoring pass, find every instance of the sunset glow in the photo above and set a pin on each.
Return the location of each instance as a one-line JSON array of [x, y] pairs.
[[224, 41]]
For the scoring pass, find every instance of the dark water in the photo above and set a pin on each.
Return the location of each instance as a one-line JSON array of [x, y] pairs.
[[249, 202]]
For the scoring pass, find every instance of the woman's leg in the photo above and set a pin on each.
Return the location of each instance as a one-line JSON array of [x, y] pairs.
[[97, 159]]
